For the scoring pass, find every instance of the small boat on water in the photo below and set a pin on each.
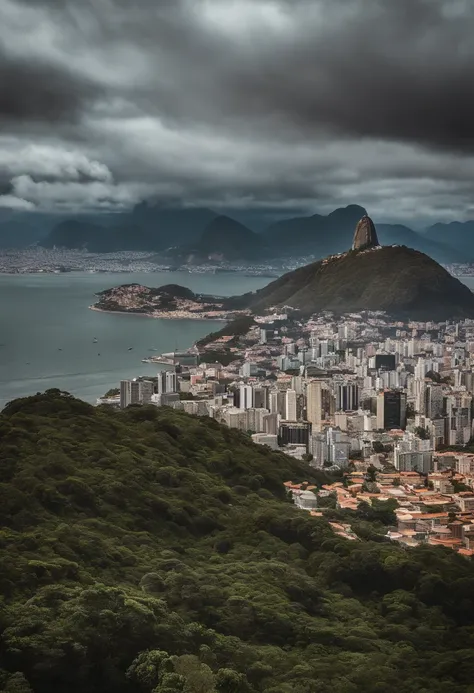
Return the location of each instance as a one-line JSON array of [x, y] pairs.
[[95, 340]]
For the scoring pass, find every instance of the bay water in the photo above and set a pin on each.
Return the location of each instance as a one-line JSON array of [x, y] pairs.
[[48, 332]]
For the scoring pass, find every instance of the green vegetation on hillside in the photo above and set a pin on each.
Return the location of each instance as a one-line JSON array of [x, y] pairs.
[[235, 328], [150, 551], [396, 279], [223, 353]]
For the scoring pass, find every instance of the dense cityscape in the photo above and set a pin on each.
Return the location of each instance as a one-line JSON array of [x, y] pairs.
[[36, 259], [388, 402]]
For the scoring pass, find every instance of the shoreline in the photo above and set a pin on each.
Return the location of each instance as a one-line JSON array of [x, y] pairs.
[[163, 316]]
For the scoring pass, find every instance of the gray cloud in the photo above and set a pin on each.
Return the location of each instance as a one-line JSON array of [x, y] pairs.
[[242, 103], [41, 92]]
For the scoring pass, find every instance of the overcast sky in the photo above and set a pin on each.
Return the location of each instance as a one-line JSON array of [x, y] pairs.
[[298, 104]]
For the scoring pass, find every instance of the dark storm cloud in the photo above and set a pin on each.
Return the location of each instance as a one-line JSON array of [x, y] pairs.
[[41, 92], [391, 70], [252, 102], [399, 70], [377, 68]]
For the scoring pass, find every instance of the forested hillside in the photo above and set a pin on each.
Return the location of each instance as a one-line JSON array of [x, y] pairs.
[[148, 550]]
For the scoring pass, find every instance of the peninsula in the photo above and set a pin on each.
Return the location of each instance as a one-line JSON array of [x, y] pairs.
[[169, 301]]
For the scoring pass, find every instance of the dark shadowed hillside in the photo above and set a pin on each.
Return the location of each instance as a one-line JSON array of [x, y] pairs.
[[315, 235], [459, 236], [224, 239], [396, 279]]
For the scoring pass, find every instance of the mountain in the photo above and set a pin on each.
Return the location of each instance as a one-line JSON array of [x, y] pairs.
[[146, 228], [315, 235], [76, 234], [459, 236], [396, 279], [365, 235], [398, 234], [327, 235], [170, 226], [147, 550], [195, 232], [19, 229], [225, 239]]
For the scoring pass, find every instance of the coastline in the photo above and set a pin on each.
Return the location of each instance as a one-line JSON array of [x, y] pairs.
[[162, 316]]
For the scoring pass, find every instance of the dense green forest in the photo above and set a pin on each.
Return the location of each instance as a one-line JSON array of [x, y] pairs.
[[147, 551]]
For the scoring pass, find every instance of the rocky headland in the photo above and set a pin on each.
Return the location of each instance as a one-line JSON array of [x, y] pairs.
[[169, 301]]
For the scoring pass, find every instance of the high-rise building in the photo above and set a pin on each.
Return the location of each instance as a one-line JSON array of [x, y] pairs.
[[434, 401], [245, 396], [124, 394], [249, 369], [171, 381], [146, 390], [294, 433], [167, 382], [129, 393], [291, 406], [314, 410], [384, 362], [260, 397], [277, 402], [328, 402], [270, 423], [347, 397], [391, 410], [255, 419], [319, 449], [297, 384], [339, 447]]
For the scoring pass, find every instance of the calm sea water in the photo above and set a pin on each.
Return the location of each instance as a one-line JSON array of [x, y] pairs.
[[47, 330]]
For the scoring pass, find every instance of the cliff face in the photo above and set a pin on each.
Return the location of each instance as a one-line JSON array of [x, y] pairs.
[[365, 235]]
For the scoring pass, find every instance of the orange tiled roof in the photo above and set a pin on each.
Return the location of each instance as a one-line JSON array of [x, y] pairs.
[[428, 516], [444, 542]]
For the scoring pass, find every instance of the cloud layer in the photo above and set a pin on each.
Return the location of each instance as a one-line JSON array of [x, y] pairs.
[[308, 104]]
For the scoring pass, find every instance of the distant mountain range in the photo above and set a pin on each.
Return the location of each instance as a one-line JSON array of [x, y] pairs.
[[321, 236], [199, 234], [458, 235]]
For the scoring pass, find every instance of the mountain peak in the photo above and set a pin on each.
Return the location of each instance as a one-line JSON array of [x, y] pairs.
[[365, 235], [224, 238], [349, 212]]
